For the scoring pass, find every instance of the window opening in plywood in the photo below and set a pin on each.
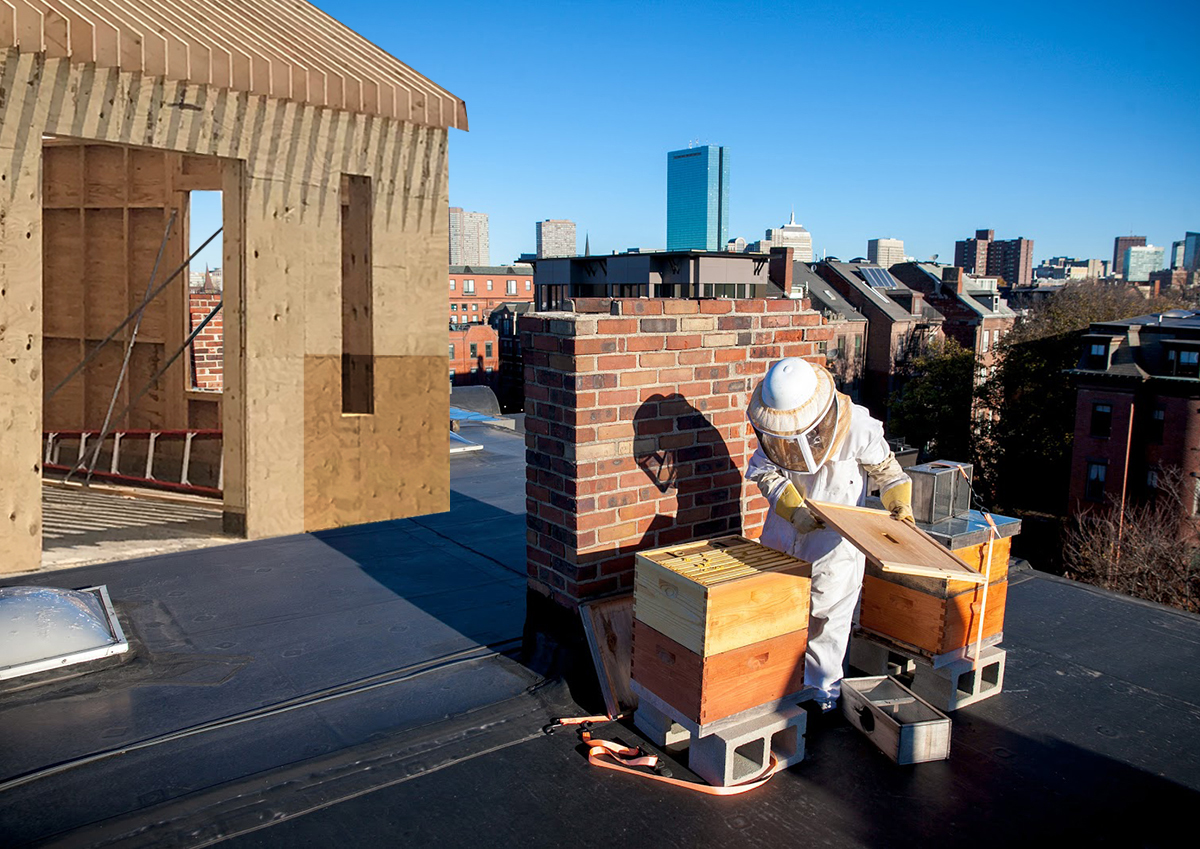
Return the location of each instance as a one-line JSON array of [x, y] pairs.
[[205, 287], [358, 376]]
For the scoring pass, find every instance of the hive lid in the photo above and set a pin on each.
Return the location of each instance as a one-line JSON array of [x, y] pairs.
[[716, 561]]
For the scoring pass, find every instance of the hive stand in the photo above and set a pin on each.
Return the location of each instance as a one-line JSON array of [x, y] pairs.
[[950, 681], [733, 748]]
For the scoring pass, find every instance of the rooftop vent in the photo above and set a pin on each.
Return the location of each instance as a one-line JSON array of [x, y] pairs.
[[45, 628]]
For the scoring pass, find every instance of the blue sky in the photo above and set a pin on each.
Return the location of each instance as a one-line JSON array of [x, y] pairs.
[[1065, 123]]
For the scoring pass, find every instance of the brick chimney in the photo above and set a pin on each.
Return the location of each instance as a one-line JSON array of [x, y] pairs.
[[952, 278], [779, 269]]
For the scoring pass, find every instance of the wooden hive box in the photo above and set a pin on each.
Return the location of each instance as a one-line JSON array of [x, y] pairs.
[[720, 626], [904, 726], [933, 616]]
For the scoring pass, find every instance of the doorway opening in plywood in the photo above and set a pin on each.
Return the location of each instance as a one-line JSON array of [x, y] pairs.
[[206, 354], [133, 452]]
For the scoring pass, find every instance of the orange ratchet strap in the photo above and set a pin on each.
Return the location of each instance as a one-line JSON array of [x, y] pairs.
[[610, 755]]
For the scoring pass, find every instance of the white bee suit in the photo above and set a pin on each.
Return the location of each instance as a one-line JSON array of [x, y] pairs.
[[837, 566]]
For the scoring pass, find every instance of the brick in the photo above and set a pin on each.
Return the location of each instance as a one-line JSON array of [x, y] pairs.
[[640, 306], [674, 375], [765, 352], [776, 321], [589, 346], [729, 355], [638, 378], [715, 307], [658, 360], [618, 533], [755, 305], [698, 324], [612, 326], [616, 361], [781, 305], [718, 340], [659, 325], [680, 342], [645, 343], [620, 430], [614, 397], [735, 322], [678, 306]]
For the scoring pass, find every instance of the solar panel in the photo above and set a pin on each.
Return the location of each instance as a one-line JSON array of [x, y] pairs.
[[879, 278]]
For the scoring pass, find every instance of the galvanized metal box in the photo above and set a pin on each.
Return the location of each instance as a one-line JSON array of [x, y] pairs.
[[904, 726], [941, 490]]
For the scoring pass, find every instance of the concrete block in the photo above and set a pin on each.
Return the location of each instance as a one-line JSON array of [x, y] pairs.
[[659, 728], [875, 658], [739, 753], [962, 682]]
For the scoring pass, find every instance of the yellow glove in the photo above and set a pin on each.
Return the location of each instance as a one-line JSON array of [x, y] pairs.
[[790, 507], [898, 501]]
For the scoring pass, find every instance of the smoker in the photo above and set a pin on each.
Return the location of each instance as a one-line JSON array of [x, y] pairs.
[[941, 490]]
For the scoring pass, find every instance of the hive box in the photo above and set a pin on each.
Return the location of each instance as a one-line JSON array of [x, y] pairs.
[[720, 626], [934, 617], [904, 726]]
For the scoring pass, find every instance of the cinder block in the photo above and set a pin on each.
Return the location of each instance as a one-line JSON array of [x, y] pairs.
[[962, 682], [875, 658], [739, 753], [659, 728]]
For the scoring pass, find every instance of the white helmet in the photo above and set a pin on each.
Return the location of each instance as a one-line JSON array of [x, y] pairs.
[[798, 415]]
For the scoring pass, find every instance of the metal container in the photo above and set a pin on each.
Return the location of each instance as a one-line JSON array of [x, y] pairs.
[[941, 490]]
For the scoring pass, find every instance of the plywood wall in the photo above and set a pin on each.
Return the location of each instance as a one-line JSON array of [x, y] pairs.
[[283, 288]]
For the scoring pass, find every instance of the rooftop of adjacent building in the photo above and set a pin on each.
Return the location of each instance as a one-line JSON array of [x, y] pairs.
[[364, 686], [1144, 347], [887, 297], [515, 270]]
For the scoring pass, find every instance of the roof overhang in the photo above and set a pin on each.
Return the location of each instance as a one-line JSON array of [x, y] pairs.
[[287, 49]]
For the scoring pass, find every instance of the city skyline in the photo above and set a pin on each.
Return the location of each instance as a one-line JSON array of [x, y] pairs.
[[1062, 185]]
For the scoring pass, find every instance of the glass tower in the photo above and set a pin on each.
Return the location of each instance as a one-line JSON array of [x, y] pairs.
[[698, 199]]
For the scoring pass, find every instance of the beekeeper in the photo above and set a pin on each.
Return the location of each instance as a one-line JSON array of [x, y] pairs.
[[813, 442]]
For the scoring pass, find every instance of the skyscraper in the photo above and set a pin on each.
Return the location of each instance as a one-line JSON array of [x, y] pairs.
[[1120, 245], [794, 236], [1191, 251], [885, 252], [1140, 260], [698, 198], [468, 237], [555, 237]]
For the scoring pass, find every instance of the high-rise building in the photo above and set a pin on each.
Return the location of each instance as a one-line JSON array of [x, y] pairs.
[[556, 237], [1120, 245], [1191, 251], [790, 235], [971, 255], [1175, 257], [468, 237], [1011, 259], [885, 252], [1140, 260], [698, 198]]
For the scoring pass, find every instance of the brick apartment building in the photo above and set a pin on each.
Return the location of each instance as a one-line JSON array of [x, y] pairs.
[[1138, 388], [475, 292], [899, 325], [983, 255], [844, 352], [976, 317]]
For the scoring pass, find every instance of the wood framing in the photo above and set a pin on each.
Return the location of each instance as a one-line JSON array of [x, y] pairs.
[[276, 102]]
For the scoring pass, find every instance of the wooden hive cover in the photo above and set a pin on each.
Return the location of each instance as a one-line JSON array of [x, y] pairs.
[[721, 594]]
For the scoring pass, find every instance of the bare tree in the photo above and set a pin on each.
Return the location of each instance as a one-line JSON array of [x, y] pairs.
[[1150, 550]]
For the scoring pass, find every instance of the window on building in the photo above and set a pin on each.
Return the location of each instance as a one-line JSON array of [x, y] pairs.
[[451, 350], [1096, 472], [474, 370], [1101, 420], [487, 349], [464, 307], [983, 344], [452, 284], [451, 377], [1097, 356], [358, 344], [474, 350], [1188, 363], [1152, 479], [511, 287], [528, 285], [488, 370], [822, 346], [858, 344], [474, 307], [1158, 420], [489, 285], [454, 308], [468, 287]]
